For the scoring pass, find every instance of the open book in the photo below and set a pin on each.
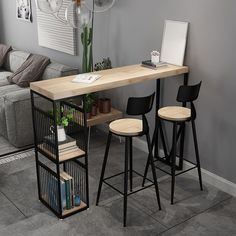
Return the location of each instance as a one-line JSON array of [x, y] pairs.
[[86, 78]]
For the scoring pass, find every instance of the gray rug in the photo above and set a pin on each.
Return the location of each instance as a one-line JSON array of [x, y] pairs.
[[17, 156]]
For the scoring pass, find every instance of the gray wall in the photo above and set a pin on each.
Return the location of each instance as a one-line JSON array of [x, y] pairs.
[[132, 29], [24, 35]]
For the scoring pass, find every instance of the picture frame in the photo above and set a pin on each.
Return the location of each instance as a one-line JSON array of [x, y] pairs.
[[23, 10], [174, 42]]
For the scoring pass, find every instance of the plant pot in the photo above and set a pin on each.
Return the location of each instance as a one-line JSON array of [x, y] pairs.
[[105, 105], [61, 134], [94, 110], [100, 105]]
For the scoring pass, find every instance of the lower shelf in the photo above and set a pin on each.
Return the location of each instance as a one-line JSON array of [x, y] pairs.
[[74, 209]]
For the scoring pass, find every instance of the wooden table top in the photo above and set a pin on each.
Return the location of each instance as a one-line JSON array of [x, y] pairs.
[[63, 87]]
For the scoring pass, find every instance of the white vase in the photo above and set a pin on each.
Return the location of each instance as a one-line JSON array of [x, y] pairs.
[[61, 134]]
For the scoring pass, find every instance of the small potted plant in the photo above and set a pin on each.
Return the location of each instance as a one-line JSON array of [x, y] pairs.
[[105, 64], [89, 101], [62, 120], [94, 109]]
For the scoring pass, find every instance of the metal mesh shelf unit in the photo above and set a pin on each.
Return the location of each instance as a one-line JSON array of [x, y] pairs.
[[50, 193], [46, 119], [74, 162]]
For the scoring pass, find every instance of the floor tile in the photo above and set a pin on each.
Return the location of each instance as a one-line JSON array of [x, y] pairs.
[[21, 189], [195, 212], [217, 221], [9, 214]]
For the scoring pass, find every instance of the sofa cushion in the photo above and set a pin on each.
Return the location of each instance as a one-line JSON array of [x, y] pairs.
[[55, 70], [15, 59], [3, 91], [30, 71], [3, 77], [4, 49]]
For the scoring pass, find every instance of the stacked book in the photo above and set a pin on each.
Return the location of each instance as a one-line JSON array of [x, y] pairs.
[[67, 191], [154, 66], [67, 149], [67, 146]]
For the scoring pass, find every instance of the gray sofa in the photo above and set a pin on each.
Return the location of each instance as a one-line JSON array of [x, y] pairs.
[[15, 104]]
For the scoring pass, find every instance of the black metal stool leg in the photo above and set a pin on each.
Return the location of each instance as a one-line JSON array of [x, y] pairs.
[[103, 167], [131, 163], [181, 155], [174, 141], [126, 180], [150, 157], [197, 154], [163, 140], [148, 160]]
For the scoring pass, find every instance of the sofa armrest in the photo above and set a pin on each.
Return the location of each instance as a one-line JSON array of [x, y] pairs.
[[19, 118], [18, 96]]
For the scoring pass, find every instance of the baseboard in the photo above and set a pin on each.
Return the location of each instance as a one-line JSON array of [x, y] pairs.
[[207, 176]]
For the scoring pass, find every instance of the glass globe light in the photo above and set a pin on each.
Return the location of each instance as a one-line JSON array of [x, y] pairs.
[[78, 16], [49, 6], [99, 5]]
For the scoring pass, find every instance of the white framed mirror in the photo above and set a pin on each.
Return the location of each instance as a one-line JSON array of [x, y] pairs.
[[174, 42]]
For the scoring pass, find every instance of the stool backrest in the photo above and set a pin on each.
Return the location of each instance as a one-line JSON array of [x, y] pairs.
[[189, 93], [140, 105]]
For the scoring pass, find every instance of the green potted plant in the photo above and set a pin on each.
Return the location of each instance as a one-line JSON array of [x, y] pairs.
[[105, 64], [104, 103], [63, 118], [89, 101]]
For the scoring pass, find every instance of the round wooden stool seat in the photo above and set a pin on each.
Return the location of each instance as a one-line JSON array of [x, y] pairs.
[[174, 113], [127, 127]]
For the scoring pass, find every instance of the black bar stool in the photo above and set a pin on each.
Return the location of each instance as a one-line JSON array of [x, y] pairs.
[[178, 116], [129, 128]]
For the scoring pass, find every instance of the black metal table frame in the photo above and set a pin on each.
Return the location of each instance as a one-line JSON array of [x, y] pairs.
[[158, 127], [155, 145]]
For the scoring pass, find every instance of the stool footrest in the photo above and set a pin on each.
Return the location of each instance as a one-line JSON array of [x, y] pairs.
[[135, 191], [182, 172]]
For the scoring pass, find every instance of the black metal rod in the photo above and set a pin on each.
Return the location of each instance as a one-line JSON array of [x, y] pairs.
[[153, 170], [138, 190], [112, 176], [197, 154], [131, 163], [186, 78], [184, 171], [126, 180], [103, 167], [163, 139], [173, 161], [57, 155], [114, 188], [158, 91], [86, 149], [35, 142]]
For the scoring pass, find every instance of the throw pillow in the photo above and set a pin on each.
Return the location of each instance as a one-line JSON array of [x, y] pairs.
[[31, 70]]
